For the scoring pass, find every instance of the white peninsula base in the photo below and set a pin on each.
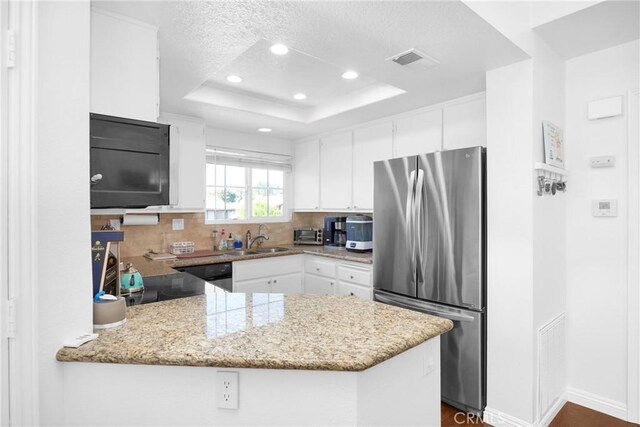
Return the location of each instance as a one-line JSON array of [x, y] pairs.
[[404, 390]]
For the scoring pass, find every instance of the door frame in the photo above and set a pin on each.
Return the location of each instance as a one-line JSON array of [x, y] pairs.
[[633, 279], [18, 217]]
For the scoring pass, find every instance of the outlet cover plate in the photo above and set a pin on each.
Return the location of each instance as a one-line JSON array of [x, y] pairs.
[[227, 389], [177, 224]]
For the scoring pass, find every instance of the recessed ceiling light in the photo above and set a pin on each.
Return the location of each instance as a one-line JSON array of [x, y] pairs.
[[299, 96], [279, 49], [234, 79], [264, 129], [350, 75]]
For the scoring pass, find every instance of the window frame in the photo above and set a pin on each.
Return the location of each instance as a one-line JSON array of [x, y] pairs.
[[248, 199]]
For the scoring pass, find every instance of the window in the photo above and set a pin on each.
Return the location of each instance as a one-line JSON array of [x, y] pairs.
[[245, 186]]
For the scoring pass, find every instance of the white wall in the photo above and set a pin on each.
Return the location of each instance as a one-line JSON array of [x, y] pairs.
[[247, 141], [597, 247], [549, 228], [64, 285]]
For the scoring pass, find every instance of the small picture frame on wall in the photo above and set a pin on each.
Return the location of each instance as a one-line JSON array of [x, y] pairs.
[[553, 142]]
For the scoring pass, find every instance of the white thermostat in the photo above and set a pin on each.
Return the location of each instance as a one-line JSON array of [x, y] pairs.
[[607, 207]]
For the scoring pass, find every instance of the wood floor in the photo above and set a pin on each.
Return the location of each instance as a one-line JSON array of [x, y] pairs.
[[571, 415]]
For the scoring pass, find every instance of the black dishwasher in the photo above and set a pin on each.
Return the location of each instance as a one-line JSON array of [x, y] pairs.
[[217, 274]]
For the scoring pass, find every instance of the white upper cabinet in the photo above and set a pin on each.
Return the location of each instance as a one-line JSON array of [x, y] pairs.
[[124, 67], [418, 134], [306, 188], [370, 144], [465, 125], [336, 171], [188, 162]]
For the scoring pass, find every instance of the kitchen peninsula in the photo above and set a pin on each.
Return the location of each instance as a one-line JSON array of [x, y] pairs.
[[302, 360]]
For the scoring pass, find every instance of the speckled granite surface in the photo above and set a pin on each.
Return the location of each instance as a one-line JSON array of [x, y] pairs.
[[156, 268], [272, 331]]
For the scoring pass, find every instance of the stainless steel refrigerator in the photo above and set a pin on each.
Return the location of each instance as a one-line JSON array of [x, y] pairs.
[[429, 241]]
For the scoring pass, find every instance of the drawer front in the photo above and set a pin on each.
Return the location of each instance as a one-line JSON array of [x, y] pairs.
[[320, 267], [266, 267], [360, 276], [355, 290], [319, 285]]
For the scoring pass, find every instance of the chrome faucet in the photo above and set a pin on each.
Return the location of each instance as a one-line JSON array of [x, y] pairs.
[[248, 239], [262, 236]]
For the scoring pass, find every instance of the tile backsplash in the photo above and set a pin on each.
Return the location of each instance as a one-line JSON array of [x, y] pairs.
[[138, 239]]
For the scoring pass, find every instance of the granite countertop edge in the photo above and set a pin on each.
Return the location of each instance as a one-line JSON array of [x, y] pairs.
[[392, 330]]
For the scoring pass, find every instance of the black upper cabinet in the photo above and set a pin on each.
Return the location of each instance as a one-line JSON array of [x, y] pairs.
[[132, 156]]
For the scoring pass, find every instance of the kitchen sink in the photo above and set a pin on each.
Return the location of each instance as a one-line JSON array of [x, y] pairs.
[[241, 253], [270, 250]]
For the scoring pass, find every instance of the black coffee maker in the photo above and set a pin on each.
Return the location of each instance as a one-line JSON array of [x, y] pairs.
[[335, 230]]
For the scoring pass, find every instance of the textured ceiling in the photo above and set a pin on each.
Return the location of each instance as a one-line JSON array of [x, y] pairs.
[[199, 40], [594, 28]]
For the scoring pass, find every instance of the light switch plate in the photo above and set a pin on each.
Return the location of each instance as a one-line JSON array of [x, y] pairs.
[[602, 162], [178, 224]]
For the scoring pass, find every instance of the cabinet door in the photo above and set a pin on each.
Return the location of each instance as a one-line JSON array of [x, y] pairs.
[[187, 145], [124, 67], [253, 286], [336, 171], [370, 144], [465, 125], [289, 284], [355, 290], [319, 285], [418, 134], [306, 188]]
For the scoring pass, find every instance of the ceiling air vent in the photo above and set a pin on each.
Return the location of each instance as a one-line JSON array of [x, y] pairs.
[[414, 56]]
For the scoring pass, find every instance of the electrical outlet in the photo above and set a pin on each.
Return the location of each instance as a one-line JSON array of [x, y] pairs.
[[227, 389], [178, 224]]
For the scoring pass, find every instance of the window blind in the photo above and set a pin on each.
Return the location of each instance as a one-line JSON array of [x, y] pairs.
[[249, 159]]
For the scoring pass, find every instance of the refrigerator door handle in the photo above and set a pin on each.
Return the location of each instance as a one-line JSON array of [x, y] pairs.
[[417, 220], [460, 317], [409, 218]]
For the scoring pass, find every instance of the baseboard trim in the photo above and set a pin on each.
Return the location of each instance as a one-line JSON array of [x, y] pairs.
[[553, 411], [500, 419], [597, 403]]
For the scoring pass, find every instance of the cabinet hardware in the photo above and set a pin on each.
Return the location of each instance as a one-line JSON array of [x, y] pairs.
[[275, 281]]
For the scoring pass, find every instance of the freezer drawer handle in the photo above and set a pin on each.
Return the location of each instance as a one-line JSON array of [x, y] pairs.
[[446, 314]]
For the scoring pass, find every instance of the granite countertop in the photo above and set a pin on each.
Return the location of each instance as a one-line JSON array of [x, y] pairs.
[[148, 267], [271, 331]]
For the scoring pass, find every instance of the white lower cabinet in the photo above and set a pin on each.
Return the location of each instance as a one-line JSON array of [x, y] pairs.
[[319, 285], [276, 274], [310, 274], [355, 280], [328, 276], [289, 284], [345, 288]]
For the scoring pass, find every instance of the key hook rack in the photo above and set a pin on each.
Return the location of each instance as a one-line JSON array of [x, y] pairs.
[[550, 179]]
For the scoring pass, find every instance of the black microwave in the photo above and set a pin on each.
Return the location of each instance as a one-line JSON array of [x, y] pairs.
[[129, 163]]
